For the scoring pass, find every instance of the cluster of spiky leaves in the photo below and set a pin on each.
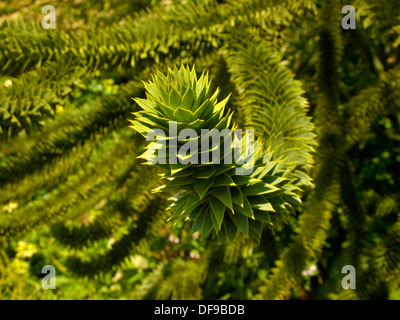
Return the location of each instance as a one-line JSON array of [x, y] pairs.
[[227, 193], [77, 162]]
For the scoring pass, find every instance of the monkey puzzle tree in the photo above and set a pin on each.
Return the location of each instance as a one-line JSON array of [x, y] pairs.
[[314, 94]]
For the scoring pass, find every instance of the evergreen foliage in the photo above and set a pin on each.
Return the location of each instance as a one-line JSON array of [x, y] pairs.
[[324, 106]]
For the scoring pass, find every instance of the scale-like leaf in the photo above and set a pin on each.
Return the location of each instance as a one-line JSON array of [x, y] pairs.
[[207, 224], [259, 189], [246, 210], [202, 186], [241, 222], [204, 173], [223, 180], [230, 229], [223, 194], [218, 210]]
